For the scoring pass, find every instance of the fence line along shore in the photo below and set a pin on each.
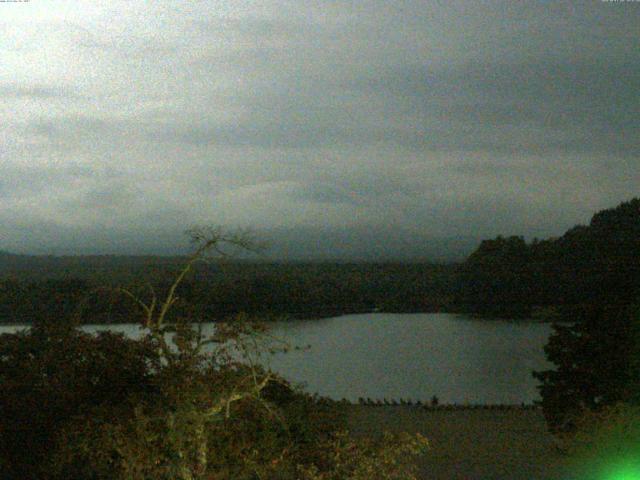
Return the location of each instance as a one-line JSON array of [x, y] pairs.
[[433, 404]]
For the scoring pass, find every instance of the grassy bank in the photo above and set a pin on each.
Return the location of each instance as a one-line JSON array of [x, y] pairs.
[[470, 443]]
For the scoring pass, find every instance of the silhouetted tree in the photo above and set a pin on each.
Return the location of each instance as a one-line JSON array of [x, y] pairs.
[[594, 264], [496, 278], [175, 405]]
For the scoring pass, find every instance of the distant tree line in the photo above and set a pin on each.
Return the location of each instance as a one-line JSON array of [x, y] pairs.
[[505, 276], [588, 265], [586, 281], [297, 290]]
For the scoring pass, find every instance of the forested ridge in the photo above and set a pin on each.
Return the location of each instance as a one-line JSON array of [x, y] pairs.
[[505, 276], [598, 263], [296, 290]]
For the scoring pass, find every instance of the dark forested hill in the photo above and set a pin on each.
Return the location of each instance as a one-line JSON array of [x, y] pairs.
[[33, 286], [506, 276], [599, 263]]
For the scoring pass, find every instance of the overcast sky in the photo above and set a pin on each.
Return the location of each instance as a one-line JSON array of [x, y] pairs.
[[333, 127]]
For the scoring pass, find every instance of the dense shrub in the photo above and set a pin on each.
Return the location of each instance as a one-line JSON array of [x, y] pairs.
[[174, 405], [52, 373], [597, 363]]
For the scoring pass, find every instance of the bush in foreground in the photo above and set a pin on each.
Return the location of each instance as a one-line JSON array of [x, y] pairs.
[[53, 373], [597, 363], [174, 405]]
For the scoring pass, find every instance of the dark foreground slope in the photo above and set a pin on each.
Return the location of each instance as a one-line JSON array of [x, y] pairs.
[[471, 444]]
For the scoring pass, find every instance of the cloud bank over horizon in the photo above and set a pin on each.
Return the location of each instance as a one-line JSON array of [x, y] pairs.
[[361, 128]]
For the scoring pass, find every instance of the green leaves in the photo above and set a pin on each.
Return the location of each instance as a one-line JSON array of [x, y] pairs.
[[173, 405]]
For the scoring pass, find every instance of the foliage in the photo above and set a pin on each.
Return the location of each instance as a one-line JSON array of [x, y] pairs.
[[495, 278], [223, 289], [186, 406], [389, 459], [36, 302], [505, 276], [596, 359], [594, 264], [53, 373], [588, 282]]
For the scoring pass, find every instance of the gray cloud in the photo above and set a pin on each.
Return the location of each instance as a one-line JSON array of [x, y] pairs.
[[407, 119], [537, 106], [23, 179], [37, 92]]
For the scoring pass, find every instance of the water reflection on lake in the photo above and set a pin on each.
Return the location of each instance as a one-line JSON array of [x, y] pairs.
[[414, 356]]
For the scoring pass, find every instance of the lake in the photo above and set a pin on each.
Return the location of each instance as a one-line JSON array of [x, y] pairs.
[[411, 356]]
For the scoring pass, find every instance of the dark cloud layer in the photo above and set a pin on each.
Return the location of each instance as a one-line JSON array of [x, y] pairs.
[[375, 126]]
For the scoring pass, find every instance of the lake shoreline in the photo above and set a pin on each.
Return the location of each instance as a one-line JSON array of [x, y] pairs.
[[380, 357], [269, 317]]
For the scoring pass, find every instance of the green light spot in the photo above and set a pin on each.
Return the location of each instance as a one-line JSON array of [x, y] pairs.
[[625, 471]]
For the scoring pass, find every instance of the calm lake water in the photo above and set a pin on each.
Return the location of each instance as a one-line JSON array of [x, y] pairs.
[[410, 356]]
